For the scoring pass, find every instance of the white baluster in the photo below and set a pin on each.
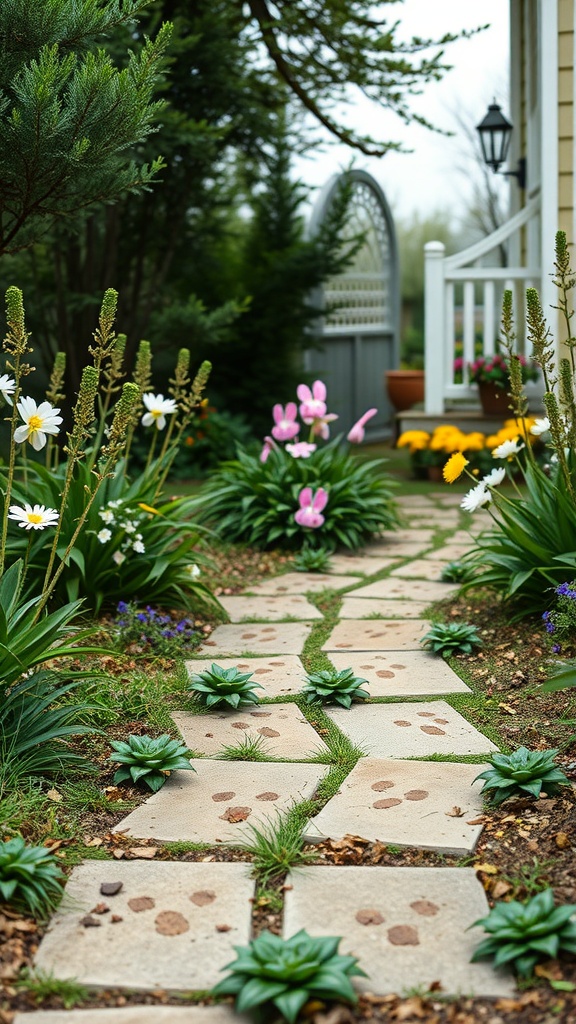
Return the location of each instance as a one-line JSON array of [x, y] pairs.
[[435, 339]]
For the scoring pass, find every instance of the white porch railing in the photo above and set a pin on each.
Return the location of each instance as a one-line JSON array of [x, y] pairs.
[[462, 305]]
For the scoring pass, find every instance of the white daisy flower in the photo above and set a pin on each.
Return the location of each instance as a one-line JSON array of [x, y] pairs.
[[104, 535], [507, 449], [475, 498], [7, 387], [540, 427], [118, 557], [158, 409], [494, 477], [114, 504], [33, 518], [193, 571], [106, 515], [138, 547], [39, 420], [129, 527]]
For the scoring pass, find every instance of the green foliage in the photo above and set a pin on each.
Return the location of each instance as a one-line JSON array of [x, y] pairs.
[[521, 934], [334, 687], [30, 877], [287, 973], [524, 771], [218, 686], [68, 113], [448, 638], [456, 572], [40, 986], [149, 759], [276, 846], [254, 502], [310, 559], [562, 677]]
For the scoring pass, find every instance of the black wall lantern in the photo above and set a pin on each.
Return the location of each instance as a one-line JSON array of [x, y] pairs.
[[495, 132]]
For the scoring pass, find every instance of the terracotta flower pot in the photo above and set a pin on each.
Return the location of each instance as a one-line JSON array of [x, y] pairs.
[[405, 388], [493, 399]]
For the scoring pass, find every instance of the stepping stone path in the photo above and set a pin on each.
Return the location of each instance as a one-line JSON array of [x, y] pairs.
[[137, 1015], [172, 924]]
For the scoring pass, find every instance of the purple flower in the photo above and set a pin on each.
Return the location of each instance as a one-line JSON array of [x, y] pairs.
[[555, 648], [141, 617], [550, 627], [122, 607]]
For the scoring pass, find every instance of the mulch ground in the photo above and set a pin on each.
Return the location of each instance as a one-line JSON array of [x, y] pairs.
[[525, 844]]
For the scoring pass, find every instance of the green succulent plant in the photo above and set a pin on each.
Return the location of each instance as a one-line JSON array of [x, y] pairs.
[[524, 771], [150, 759], [312, 560], [448, 638], [287, 973], [333, 687], [456, 572], [224, 686], [30, 877], [521, 934]]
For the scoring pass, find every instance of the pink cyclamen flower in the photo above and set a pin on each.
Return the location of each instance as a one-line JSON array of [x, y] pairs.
[[313, 403], [267, 448], [285, 426], [320, 426], [300, 450], [356, 434], [311, 506]]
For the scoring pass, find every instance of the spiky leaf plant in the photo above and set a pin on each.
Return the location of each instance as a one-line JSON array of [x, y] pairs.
[[287, 973], [312, 560], [30, 877], [521, 934], [224, 686], [456, 572], [523, 772], [333, 687], [150, 759], [448, 638]]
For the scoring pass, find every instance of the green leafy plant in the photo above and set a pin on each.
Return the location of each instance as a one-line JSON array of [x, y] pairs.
[[456, 572], [287, 973], [312, 559], [521, 934], [150, 759], [224, 686], [448, 638], [254, 502], [30, 877], [524, 771], [334, 687], [40, 986]]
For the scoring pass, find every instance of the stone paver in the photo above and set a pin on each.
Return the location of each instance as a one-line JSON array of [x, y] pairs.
[[269, 608], [137, 1015], [419, 590], [450, 552], [279, 676], [377, 607], [282, 730], [214, 804], [420, 568], [415, 501], [169, 934], [403, 549], [449, 498], [361, 564], [284, 638], [416, 536], [410, 730], [377, 635], [408, 926], [413, 674], [407, 803], [303, 583]]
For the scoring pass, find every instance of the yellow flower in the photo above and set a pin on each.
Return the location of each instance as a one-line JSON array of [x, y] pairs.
[[148, 508], [415, 439], [474, 441], [454, 467]]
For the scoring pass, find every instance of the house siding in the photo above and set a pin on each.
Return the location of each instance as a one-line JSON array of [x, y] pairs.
[[566, 117]]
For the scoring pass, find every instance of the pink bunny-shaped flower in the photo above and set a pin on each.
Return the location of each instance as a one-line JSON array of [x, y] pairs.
[[356, 433], [311, 505], [285, 427], [313, 403], [266, 448]]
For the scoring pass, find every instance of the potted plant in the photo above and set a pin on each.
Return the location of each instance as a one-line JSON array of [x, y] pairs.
[[492, 375]]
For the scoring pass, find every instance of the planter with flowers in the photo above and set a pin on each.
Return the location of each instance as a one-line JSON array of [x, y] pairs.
[[298, 491], [492, 375]]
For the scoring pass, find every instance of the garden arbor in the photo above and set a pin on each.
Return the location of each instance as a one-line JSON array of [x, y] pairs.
[[360, 329]]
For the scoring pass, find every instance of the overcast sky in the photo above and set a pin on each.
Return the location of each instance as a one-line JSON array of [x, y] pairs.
[[428, 179]]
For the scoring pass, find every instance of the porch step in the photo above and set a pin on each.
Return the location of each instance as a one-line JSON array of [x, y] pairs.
[[467, 419]]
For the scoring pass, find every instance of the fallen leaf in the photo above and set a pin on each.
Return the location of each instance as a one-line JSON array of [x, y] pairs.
[[487, 869], [456, 812], [413, 1007], [94, 842], [477, 821], [500, 888], [509, 710], [550, 970], [223, 927], [235, 814], [100, 908], [562, 840], [118, 854], [143, 852], [90, 922], [115, 919]]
